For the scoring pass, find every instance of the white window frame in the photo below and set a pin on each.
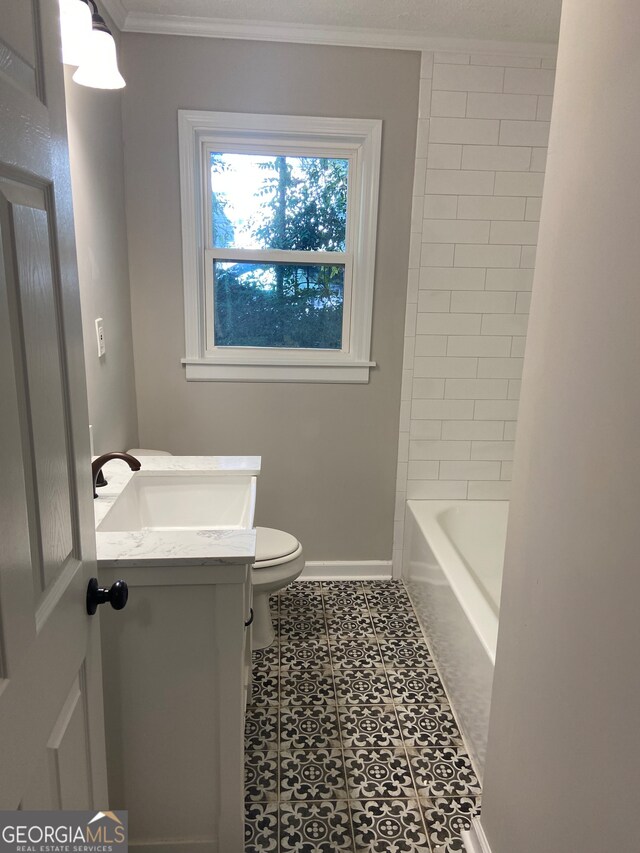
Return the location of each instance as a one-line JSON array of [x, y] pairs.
[[359, 141]]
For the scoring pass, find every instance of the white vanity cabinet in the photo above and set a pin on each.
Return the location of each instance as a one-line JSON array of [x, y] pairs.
[[176, 673], [175, 682]]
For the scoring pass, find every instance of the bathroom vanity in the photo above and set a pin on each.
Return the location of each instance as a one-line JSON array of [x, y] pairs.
[[177, 659]]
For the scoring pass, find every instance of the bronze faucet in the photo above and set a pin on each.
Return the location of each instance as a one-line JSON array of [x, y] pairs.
[[96, 465]]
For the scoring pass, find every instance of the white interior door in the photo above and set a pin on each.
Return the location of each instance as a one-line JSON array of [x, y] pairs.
[[51, 719]]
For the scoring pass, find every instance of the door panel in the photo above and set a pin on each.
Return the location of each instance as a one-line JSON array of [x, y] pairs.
[[16, 67], [39, 791], [18, 28], [60, 779], [37, 309], [51, 716], [16, 632], [68, 752]]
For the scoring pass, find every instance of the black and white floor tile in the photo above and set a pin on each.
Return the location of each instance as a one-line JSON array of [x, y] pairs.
[[355, 653], [443, 772], [428, 725], [446, 818], [362, 687], [315, 827], [350, 624], [303, 654], [391, 624], [415, 687], [261, 728], [388, 826], [308, 687], [369, 725], [315, 727], [351, 744], [378, 773], [312, 774], [297, 625], [261, 777], [405, 653], [264, 687]]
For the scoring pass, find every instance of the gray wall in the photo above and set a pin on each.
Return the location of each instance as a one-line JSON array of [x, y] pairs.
[[329, 451], [563, 757], [94, 121]]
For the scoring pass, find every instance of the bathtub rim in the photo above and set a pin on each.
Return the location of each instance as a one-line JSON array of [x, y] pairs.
[[472, 599]]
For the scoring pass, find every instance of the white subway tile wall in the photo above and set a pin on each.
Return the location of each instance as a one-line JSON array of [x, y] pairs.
[[481, 151]]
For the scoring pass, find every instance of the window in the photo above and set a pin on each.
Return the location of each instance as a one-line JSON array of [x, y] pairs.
[[279, 217]]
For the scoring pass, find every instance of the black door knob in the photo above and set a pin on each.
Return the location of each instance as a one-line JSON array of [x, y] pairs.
[[117, 595]]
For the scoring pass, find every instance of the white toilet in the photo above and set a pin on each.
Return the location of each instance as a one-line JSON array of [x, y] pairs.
[[279, 561]]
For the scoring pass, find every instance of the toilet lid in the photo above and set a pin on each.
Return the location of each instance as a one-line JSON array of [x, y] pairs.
[[273, 544]]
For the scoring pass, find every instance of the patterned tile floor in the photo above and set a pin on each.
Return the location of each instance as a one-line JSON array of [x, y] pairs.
[[350, 742]]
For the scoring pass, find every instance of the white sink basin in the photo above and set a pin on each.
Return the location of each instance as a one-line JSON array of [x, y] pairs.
[[182, 500]]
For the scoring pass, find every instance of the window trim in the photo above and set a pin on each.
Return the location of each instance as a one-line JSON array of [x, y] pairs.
[[360, 140]]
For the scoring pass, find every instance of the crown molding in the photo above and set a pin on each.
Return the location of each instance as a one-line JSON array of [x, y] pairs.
[[180, 25], [116, 12]]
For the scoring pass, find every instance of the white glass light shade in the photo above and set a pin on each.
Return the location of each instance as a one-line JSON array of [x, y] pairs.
[[99, 70], [75, 26]]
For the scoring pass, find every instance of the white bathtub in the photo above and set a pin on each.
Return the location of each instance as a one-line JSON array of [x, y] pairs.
[[452, 565]]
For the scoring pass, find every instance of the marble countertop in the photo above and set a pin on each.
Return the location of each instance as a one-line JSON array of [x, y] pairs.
[[179, 547]]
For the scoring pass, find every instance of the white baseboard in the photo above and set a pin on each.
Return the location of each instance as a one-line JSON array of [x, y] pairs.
[[475, 841], [353, 570]]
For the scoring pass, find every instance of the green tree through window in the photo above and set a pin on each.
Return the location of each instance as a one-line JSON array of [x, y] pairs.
[[279, 203]]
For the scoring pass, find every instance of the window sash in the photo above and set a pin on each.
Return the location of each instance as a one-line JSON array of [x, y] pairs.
[[275, 150], [344, 259], [340, 259]]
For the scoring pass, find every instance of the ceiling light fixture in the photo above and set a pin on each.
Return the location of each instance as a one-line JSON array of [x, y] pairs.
[[99, 66]]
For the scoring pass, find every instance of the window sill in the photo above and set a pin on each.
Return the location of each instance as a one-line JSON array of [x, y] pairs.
[[207, 370]]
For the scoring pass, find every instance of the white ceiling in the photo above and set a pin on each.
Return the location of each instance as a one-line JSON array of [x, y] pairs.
[[533, 21]]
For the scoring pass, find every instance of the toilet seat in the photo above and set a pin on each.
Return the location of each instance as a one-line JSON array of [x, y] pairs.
[[275, 548]]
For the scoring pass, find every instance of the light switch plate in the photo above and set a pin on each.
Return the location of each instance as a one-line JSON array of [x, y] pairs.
[[102, 347]]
